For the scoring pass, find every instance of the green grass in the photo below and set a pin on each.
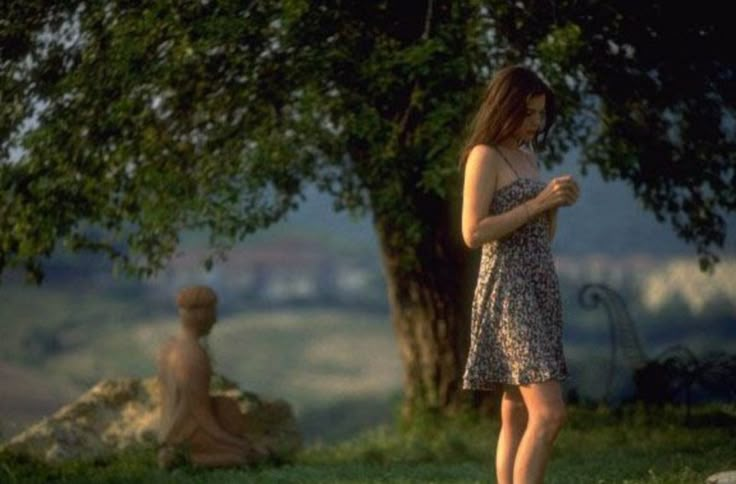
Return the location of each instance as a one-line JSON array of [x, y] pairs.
[[597, 446]]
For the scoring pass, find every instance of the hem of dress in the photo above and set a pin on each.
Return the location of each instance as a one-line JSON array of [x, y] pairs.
[[486, 385]]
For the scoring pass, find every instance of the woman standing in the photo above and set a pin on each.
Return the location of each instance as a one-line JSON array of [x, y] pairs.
[[516, 330]]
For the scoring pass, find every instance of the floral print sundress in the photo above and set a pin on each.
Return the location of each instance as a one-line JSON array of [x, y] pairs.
[[516, 317]]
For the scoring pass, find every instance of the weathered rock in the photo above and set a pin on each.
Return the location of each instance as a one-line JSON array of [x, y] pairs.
[[726, 477], [118, 414]]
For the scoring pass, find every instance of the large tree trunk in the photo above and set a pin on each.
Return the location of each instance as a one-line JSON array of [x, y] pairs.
[[430, 308]]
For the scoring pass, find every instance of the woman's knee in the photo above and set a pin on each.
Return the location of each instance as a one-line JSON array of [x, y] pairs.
[[550, 417], [546, 405]]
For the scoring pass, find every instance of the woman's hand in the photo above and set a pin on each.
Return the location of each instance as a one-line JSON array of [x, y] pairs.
[[560, 191]]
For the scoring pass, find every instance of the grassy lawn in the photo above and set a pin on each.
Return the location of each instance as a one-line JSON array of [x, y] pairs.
[[597, 446], [338, 369]]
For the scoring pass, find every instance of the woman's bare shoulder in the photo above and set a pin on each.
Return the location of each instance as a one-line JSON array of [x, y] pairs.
[[481, 150], [485, 154], [482, 168], [485, 161]]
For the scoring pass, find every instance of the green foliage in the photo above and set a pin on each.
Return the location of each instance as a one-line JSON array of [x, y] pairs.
[[145, 127], [164, 117], [596, 446], [132, 466], [660, 114], [124, 124], [428, 438], [136, 122]]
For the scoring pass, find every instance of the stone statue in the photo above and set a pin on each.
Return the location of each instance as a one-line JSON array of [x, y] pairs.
[[208, 431]]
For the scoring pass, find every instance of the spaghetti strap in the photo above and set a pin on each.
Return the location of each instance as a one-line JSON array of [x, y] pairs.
[[507, 162]]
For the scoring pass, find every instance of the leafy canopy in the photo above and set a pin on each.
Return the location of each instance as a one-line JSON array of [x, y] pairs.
[[123, 124]]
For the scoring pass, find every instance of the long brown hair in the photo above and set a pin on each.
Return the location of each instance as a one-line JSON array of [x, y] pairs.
[[504, 107]]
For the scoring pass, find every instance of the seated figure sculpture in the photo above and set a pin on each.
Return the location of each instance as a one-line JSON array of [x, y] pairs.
[[207, 431]]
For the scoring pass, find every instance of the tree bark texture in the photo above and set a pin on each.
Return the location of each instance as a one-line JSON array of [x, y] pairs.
[[430, 310]]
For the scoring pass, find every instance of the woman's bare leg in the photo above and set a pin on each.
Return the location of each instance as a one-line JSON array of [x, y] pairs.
[[513, 423], [547, 414]]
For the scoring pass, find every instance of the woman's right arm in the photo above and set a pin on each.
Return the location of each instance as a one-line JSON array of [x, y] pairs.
[[481, 174]]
